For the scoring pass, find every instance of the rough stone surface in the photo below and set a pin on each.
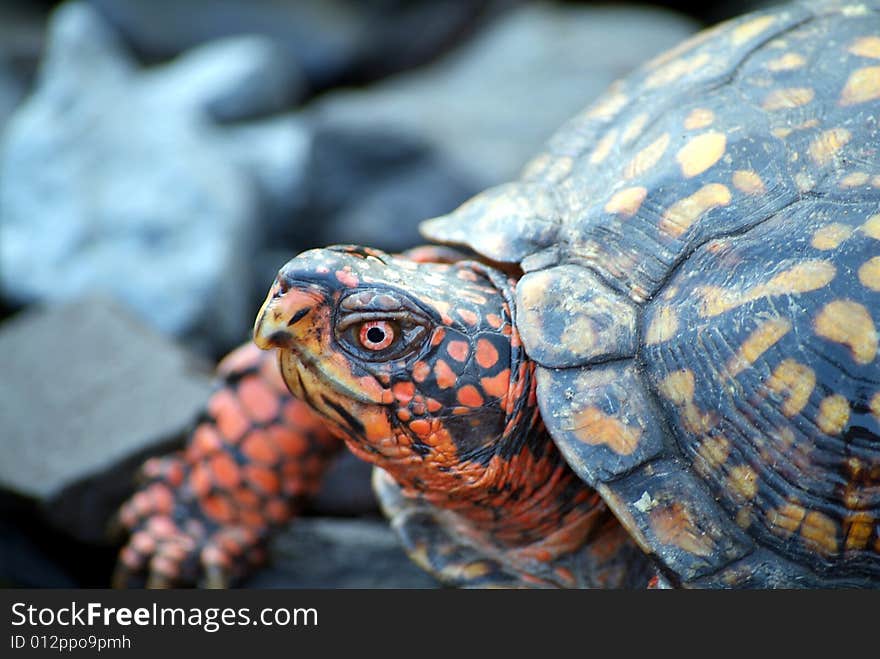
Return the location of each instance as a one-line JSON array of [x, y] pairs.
[[387, 156], [490, 105], [117, 179], [337, 553], [332, 40], [85, 392]]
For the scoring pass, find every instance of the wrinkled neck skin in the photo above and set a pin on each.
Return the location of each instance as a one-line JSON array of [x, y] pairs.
[[452, 418], [513, 487]]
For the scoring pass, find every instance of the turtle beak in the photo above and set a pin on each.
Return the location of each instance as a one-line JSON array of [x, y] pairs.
[[282, 316]]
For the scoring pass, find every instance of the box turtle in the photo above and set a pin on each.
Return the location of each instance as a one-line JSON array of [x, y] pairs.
[[654, 353]]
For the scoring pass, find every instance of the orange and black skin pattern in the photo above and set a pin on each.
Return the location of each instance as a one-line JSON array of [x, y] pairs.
[[419, 367], [254, 457]]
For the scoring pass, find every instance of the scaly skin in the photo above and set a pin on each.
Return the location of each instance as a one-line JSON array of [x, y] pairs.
[[468, 475], [205, 513], [420, 368]]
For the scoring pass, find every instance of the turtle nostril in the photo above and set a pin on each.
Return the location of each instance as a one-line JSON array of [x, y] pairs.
[[298, 316]]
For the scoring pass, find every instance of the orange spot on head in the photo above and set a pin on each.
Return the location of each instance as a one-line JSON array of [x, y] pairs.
[[258, 399], [420, 371], [468, 395], [496, 386], [467, 316], [346, 278], [458, 350], [444, 375], [420, 427], [403, 391]]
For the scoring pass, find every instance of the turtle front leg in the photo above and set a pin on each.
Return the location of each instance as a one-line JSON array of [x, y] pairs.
[[461, 554], [204, 514], [435, 548]]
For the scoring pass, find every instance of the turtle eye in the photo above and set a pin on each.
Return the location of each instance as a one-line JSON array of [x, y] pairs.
[[377, 335]]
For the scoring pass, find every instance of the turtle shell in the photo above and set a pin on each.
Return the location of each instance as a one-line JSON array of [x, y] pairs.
[[701, 291]]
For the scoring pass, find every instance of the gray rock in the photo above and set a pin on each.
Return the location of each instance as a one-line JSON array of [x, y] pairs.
[[85, 392], [385, 157], [11, 92], [337, 553], [489, 106], [371, 187], [333, 40], [118, 180]]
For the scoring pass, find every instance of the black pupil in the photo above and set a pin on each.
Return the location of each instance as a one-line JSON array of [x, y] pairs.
[[375, 335]]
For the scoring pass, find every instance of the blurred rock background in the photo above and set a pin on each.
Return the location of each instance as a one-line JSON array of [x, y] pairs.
[[160, 160]]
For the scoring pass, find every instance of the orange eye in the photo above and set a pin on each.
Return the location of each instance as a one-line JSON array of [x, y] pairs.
[[376, 334]]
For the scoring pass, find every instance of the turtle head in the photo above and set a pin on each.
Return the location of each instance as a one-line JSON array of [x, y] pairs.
[[409, 360]]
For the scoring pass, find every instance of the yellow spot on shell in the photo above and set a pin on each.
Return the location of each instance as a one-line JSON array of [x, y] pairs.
[[824, 148], [744, 517], [872, 227], [701, 153], [748, 181], [715, 451], [831, 235], [765, 336], [790, 97], [819, 532], [634, 128], [607, 106], [676, 70], [594, 427], [793, 381], [674, 525], [663, 327], [744, 481], [875, 405], [678, 388], [861, 86], [801, 278], [786, 519], [784, 131], [869, 273], [866, 47], [679, 217], [833, 414], [787, 62], [603, 147], [751, 29], [626, 202], [699, 118], [849, 323], [861, 526], [647, 157], [853, 180]]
